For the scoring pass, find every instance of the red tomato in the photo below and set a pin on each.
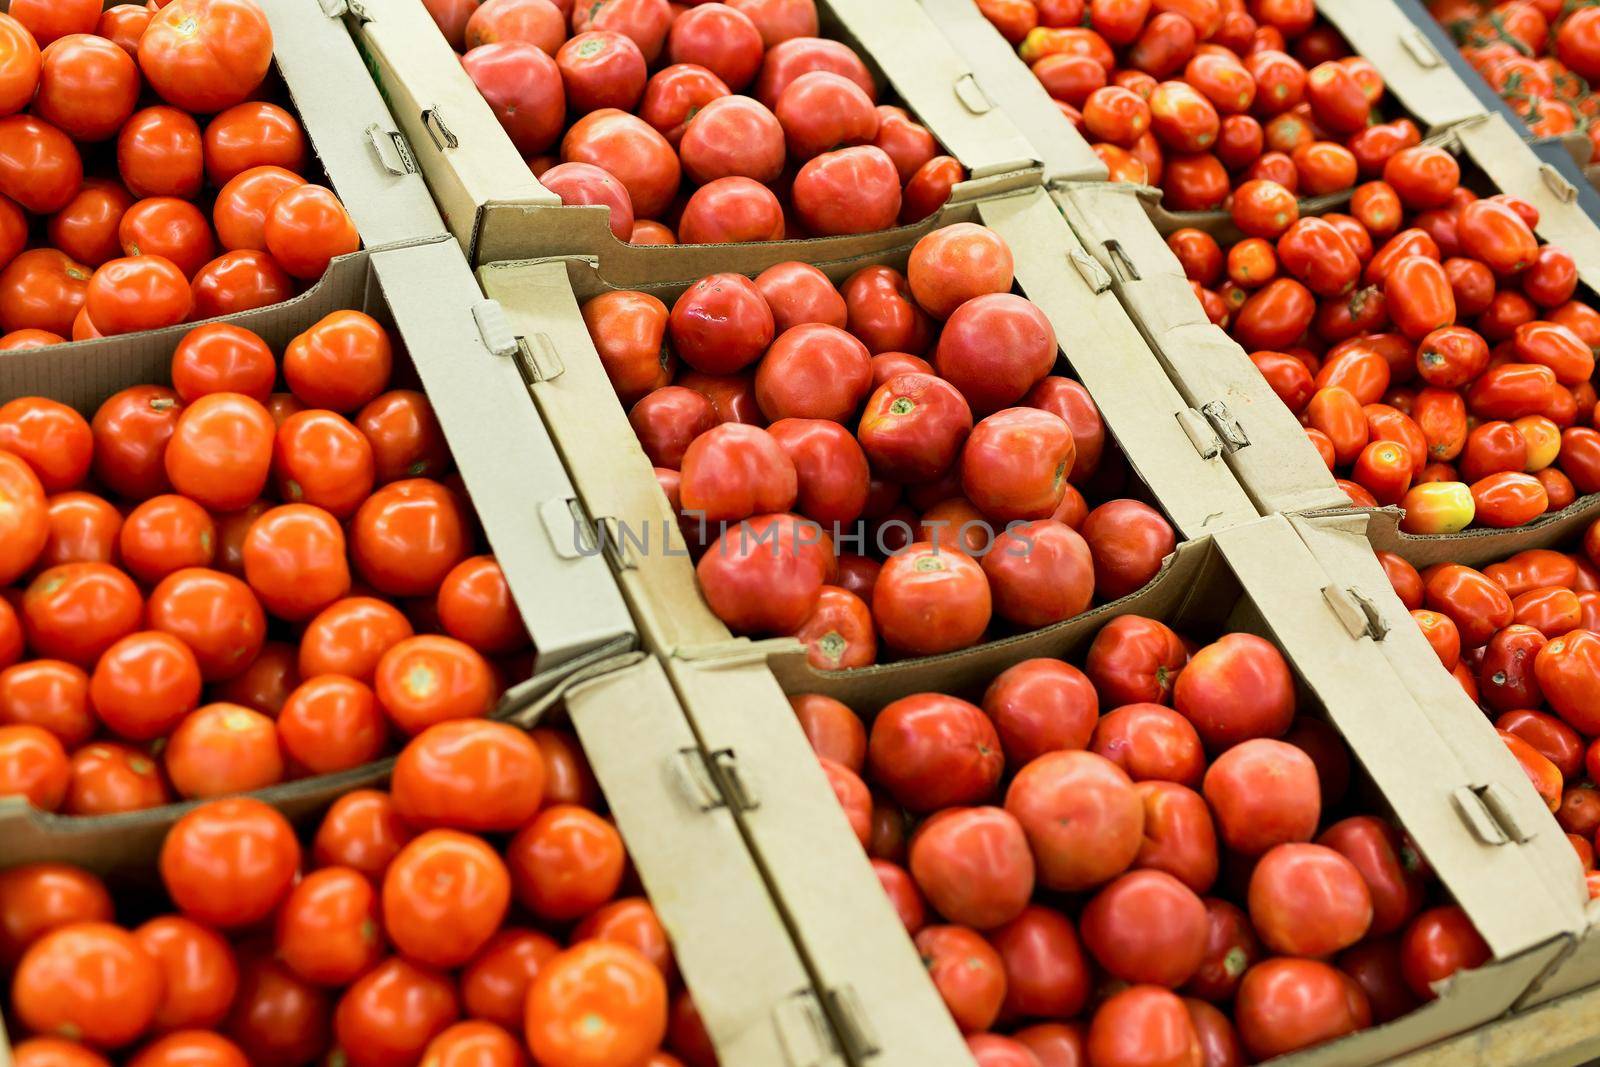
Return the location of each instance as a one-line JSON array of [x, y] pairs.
[[928, 601], [973, 865], [1082, 817], [1263, 793], [1046, 972], [206, 55], [1287, 1004], [967, 971], [1437, 944], [1146, 927], [1143, 1024]]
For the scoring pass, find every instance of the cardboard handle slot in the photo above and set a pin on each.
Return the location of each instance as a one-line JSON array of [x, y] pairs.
[[1089, 269], [1470, 806], [443, 139], [1201, 435], [1123, 263], [737, 791], [569, 529], [615, 546], [972, 96], [538, 359], [855, 1028], [1358, 614], [695, 780], [1419, 48], [804, 1031], [494, 329], [394, 155], [1502, 804], [1227, 427], [1553, 180]]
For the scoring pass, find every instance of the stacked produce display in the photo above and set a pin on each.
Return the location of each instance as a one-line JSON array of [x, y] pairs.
[[861, 533]]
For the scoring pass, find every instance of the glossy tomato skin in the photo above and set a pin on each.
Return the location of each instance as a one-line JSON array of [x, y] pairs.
[[973, 865], [1143, 1024], [932, 751], [967, 971], [1263, 793], [1047, 974], [927, 601], [90, 980], [391, 1013], [229, 862], [617, 993], [1041, 705], [443, 897], [1289, 1004], [1146, 927], [1082, 815], [39, 897], [1438, 943], [206, 55], [914, 427], [1236, 689], [1134, 659]]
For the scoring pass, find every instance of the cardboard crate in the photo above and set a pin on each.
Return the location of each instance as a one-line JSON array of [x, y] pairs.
[[1279, 468], [499, 211], [1417, 73], [1473, 817], [871, 980], [426, 297], [1340, 542], [731, 946]]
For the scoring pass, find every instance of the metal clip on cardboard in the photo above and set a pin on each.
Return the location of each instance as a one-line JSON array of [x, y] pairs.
[[714, 780], [1227, 427], [803, 1028]]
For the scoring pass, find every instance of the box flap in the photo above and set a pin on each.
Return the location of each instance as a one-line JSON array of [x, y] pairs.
[[1413, 70], [367, 160], [1278, 466], [749, 983], [1109, 356], [1393, 737], [1007, 81], [864, 962], [1512, 167], [936, 84], [601, 450], [465, 155], [1341, 548], [511, 467]]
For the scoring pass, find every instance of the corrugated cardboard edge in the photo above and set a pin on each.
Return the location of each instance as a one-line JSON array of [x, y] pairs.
[[1008, 81], [499, 211], [1262, 578], [1279, 468], [749, 983], [367, 161]]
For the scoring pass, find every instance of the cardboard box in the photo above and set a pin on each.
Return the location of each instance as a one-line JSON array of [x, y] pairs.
[[1419, 76], [1174, 449], [1469, 820], [1340, 542], [499, 211], [426, 297], [748, 981], [1287, 475], [871, 980]]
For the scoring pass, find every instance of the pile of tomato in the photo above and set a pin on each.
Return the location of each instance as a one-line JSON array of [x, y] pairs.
[[1199, 96], [1541, 56], [837, 485], [479, 911], [143, 183], [1522, 636], [704, 123], [1433, 348], [225, 584], [1144, 857]]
